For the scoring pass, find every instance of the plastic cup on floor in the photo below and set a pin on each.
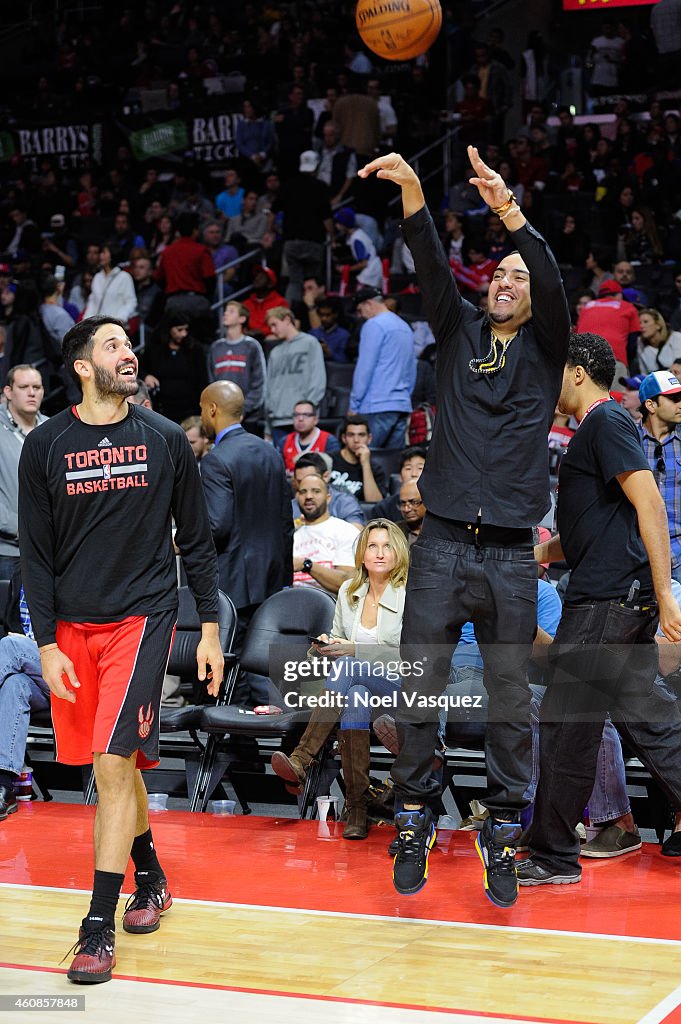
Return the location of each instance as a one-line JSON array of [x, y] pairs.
[[222, 807], [323, 806], [157, 801]]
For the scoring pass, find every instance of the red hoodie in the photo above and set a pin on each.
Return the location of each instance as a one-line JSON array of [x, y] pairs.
[[258, 308]]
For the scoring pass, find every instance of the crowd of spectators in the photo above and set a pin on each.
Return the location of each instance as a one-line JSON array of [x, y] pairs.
[[305, 253]]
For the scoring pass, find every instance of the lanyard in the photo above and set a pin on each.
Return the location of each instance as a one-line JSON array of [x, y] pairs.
[[599, 401]]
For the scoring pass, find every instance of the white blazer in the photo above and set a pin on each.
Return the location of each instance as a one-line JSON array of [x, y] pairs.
[[347, 620]]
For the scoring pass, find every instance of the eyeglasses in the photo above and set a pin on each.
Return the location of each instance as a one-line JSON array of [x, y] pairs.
[[302, 415], [410, 503], [659, 455]]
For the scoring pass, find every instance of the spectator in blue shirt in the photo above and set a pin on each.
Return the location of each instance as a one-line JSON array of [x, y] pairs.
[[229, 200], [331, 335], [385, 373], [660, 397]]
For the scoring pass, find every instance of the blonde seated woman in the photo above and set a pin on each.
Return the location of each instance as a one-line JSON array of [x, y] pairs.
[[364, 640], [658, 346]]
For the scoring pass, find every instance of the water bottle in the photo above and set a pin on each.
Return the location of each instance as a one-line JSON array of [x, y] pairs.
[[23, 787]]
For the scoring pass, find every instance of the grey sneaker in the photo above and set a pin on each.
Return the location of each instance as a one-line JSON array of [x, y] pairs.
[[530, 873], [612, 842]]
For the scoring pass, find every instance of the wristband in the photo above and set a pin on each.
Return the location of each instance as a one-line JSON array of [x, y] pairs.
[[505, 207]]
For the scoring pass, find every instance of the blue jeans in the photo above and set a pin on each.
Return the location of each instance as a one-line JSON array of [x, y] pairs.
[[609, 799], [603, 660], [8, 565], [388, 429], [357, 681], [22, 689]]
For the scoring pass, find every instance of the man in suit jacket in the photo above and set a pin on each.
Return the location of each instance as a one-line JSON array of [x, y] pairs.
[[249, 504]]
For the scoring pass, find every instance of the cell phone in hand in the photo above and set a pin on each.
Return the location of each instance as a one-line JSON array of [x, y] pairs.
[[316, 640]]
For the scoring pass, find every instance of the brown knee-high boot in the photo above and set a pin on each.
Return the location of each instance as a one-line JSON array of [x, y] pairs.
[[294, 768], [354, 751]]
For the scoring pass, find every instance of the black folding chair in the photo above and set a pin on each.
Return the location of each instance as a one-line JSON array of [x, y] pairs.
[[183, 663], [286, 618]]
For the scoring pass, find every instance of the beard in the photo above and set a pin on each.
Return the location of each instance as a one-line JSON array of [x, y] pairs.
[[501, 318], [110, 384], [314, 514]]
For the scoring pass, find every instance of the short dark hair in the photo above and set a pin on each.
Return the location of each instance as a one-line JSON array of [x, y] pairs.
[[313, 459], [329, 302], [412, 452], [595, 355], [48, 286], [187, 224], [355, 421], [77, 343], [306, 401]]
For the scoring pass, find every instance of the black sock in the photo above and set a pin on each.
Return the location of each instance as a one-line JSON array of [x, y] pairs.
[[105, 892], [144, 857], [8, 779]]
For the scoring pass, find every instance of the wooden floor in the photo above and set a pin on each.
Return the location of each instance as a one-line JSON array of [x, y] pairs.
[[278, 920]]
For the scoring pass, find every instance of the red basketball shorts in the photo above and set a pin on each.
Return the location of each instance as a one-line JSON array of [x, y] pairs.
[[120, 667]]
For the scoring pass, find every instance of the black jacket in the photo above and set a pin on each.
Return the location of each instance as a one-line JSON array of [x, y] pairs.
[[249, 506], [489, 449]]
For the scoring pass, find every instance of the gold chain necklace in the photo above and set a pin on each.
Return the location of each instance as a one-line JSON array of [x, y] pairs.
[[495, 359]]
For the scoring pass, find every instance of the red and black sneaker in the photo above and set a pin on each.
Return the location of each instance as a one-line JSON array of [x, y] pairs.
[[95, 956], [150, 899]]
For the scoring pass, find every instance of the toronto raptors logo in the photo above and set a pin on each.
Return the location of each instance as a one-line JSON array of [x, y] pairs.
[[145, 721]]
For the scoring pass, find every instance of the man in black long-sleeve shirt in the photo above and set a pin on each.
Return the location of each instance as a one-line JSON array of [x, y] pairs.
[[485, 485], [97, 492]]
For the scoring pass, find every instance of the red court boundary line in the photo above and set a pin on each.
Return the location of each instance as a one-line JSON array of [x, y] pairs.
[[673, 1017], [309, 995]]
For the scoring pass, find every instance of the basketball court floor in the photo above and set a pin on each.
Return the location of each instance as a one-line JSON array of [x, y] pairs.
[[277, 919]]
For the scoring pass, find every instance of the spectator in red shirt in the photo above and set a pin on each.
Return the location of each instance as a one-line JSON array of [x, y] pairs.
[[187, 272], [475, 273], [185, 268], [529, 169], [615, 320], [306, 435], [263, 298]]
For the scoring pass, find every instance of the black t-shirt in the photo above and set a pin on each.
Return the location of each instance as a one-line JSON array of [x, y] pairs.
[[348, 476], [598, 525], [95, 508]]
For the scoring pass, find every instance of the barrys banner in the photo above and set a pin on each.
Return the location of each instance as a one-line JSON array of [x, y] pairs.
[[67, 145], [209, 138]]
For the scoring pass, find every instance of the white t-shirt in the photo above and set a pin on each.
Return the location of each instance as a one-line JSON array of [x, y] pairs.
[[607, 54], [329, 543]]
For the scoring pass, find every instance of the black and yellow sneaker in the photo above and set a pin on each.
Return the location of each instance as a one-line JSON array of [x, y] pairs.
[[415, 839], [496, 844]]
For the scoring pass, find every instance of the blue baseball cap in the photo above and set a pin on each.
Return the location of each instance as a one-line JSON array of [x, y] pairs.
[[662, 382], [633, 383]]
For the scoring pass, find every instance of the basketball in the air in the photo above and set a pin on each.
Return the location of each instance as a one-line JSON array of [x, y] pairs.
[[398, 29]]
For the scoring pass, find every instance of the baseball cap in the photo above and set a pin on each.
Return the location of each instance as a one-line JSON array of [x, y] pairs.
[[609, 288], [633, 383], [345, 216], [632, 295], [369, 291], [5, 269], [309, 160], [662, 382], [267, 271]]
